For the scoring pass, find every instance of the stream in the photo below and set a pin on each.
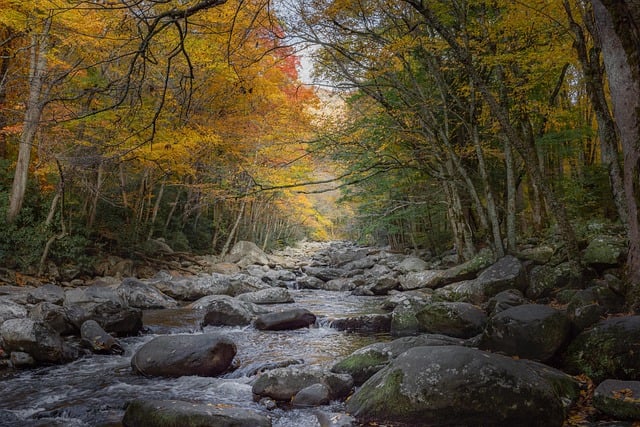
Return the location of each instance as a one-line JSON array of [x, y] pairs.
[[94, 390]]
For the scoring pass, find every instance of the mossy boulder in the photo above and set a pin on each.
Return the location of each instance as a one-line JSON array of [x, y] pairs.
[[456, 319], [620, 399], [609, 350], [529, 331], [284, 383], [545, 280], [604, 251], [176, 413], [365, 362], [507, 273], [403, 317], [454, 385], [469, 269]]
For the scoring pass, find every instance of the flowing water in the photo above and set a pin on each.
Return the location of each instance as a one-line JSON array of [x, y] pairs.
[[94, 390]]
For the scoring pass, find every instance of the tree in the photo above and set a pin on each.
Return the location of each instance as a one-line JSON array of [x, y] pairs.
[[618, 24]]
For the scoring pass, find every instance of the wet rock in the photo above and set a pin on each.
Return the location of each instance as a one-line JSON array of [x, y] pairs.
[[113, 316], [326, 419], [455, 319], [452, 385], [284, 320], [366, 323], [98, 340], [341, 284], [142, 295], [421, 279], [403, 317], [267, 296], [11, 310], [314, 395], [609, 350], [55, 316], [204, 355], [309, 282], [172, 413], [51, 293], [43, 343], [382, 285], [223, 310], [324, 273], [20, 359], [530, 331], [365, 362], [284, 383], [620, 399], [193, 288], [244, 283]]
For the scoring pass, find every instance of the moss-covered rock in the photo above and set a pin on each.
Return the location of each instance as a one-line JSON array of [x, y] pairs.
[[455, 319], [453, 385], [546, 280], [175, 413], [605, 251], [609, 350], [620, 399]]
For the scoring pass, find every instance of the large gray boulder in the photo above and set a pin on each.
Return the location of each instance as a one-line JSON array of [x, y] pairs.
[[204, 355], [421, 279], [507, 273], [11, 310], [455, 386], [244, 283], [35, 338], [529, 331], [172, 413], [142, 295], [245, 253], [609, 350], [545, 279], [284, 383], [46, 293], [267, 296], [223, 310], [55, 316], [364, 362], [605, 251], [455, 319], [469, 269], [193, 288], [412, 264], [284, 320], [98, 340], [618, 399]]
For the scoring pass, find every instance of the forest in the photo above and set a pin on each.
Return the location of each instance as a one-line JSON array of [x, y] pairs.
[[464, 124]]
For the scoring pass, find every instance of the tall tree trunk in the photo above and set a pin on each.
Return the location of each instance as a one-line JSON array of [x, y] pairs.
[[590, 61], [511, 197], [618, 24], [32, 116]]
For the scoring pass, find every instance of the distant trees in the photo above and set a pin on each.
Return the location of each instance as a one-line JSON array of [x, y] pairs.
[[123, 121]]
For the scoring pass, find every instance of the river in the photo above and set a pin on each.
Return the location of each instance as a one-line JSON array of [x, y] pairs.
[[94, 390]]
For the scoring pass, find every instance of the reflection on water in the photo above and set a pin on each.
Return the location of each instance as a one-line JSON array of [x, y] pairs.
[[94, 390]]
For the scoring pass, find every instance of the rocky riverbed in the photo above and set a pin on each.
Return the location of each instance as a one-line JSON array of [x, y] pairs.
[[329, 334]]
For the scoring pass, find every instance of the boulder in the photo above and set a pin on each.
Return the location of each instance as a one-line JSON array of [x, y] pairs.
[[267, 296], [193, 288], [609, 350], [455, 319], [464, 291], [309, 282], [620, 399], [283, 383], [529, 331], [314, 395], [366, 323], [412, 264], [11, 310], [539, 254], [223, 310], [54, 316], [98, 340], [204, 355], [505, 300], [421, 279], [382, 285], [605, 251], [41, 342], [545, 279], [142, 295], [467, 270], [51, 293], [365, 362], [507, 273], [453, 385], [172, 413], [244, 283], [245, 253], [324, 273], [283, 320], [403, 317]]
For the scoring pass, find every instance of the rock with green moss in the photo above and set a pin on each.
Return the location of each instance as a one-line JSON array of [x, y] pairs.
[[454, 385], [175, 413], [545, 280], [529, 331], [620, 399], [609, 350], [403, 317], [455, 319], [605, 251], [365, 362], [467, 270]]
